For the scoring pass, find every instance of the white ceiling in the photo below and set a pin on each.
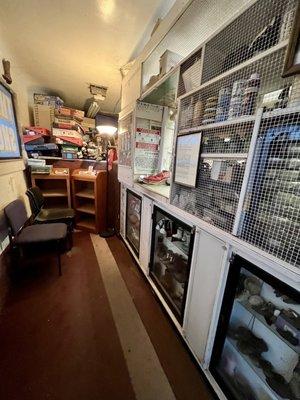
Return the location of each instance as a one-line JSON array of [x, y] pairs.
[[65, 45]]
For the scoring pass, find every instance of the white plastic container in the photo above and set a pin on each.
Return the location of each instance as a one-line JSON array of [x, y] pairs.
[[191, 77]]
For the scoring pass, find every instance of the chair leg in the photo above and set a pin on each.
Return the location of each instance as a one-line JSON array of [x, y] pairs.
[[59, 263], [58, 258], [70, 238]]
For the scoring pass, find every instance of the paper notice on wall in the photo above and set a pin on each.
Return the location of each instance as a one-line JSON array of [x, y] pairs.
[[221, 171], [149, 111], [215, 170], [146, 150], [124, 148], [187, 156]]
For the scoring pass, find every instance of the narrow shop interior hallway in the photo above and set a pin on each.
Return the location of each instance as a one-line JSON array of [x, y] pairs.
[[97, 332]]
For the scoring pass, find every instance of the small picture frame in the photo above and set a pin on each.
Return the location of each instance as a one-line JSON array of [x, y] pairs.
[[292, 59], [10, 141], [187, 159]]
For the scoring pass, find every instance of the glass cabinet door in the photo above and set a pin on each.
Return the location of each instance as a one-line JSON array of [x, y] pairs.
[[257, 346], [133, 220], [172, 243]]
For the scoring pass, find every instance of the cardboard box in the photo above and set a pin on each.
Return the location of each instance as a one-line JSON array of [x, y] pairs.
[[70, 112], [47, 100], [66, 139], [191, 77], [167, 61], [43, 116], [88, 123], [66, 132], [38, 130]]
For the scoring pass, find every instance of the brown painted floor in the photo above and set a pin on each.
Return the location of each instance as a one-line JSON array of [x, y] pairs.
[[58, 340], [184, 377]]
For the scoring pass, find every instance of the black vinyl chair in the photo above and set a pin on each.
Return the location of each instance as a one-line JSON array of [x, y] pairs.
[[48, 215], [24, 236]]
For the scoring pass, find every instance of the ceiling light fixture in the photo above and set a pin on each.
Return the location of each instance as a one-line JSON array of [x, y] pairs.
[[106, 124]]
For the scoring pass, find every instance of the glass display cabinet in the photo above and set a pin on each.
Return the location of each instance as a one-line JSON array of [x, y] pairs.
[[133, 220], [257, 345], [271, 210], [171, 252]]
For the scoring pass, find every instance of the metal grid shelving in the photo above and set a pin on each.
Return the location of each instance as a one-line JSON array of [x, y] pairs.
[[224, 108], [240, 41], [271, 219], [223, 157], [125, 140], [225, 100]]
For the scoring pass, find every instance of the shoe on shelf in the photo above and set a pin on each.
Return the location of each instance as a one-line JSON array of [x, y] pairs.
[[159, 224], [157, 179], [178, 235], [279, 385]]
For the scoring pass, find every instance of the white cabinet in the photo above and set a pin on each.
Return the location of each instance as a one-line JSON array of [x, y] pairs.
[[122, 210], [146, 229], [205, 275]]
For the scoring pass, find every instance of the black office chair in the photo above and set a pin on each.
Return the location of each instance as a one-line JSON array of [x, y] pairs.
[[48, 215], [32, 237]]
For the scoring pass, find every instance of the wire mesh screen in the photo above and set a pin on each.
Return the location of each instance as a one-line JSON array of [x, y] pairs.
[[271, 22], [125, 140], [271, 218], [221, 170], [190, 73], [199, 21], [227, 140], [238, 94]]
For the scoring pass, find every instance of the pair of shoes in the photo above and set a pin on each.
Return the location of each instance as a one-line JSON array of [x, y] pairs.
[[247, 342], [157, 179], [266, 310]]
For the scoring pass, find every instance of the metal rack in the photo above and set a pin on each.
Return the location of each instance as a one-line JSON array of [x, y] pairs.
[[230, 119]]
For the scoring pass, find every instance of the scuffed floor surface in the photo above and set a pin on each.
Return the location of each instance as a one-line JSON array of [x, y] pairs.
[[61, 338]]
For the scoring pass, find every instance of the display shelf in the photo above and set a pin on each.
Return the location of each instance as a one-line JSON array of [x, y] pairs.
[[259, 373], [166, 294], [281, 112], [224, 155], [247, 63], [55, 187], [54, 193], [230, 385], [89, 199], [49, 158], [163, 190], [163, 92], [87, 209], [215, 125], [86, 193], [86, 223], [175, 246], [261, 319]]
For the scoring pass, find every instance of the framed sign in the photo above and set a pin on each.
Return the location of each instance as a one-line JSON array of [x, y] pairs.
[[9, 136], [187, 159], [292, 59]]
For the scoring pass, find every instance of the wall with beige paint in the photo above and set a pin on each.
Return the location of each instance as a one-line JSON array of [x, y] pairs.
[[12, 182], [188, 24]]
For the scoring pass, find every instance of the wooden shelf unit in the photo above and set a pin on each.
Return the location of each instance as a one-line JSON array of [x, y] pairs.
[[55, 187], [89, 199]]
